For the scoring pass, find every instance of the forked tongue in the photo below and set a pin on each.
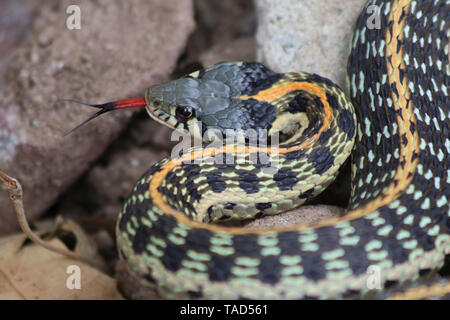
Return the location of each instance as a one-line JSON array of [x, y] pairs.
[[109, 106]]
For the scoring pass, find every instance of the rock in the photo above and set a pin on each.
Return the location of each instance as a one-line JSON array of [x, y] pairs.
[[241, 49], [109, 185], [225, 20], [14, 23], [121, 48], [300, 35], [306, 214], [302, 215], [218, 25]]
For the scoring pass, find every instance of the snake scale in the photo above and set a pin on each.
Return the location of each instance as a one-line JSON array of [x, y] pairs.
[[395, 125]]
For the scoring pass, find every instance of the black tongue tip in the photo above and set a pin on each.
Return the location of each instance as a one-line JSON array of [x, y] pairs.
[[105, 106], [95, 115]]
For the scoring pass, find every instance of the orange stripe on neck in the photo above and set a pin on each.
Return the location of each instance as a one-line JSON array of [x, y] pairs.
[[277, 91]]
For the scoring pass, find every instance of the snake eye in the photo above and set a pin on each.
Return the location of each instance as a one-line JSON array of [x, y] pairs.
[[185, 112]]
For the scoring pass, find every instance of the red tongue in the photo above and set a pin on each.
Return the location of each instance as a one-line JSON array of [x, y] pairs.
[[129, 103], [110, 106]]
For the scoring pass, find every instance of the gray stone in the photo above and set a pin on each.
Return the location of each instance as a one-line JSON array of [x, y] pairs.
[[307, 35]]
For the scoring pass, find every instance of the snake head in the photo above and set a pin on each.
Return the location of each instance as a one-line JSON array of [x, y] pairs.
[[213, 100]]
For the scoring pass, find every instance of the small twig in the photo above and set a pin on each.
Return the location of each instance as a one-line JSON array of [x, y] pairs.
[[16, 195]]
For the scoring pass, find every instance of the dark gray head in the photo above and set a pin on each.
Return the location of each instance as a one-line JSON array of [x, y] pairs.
[[215, 98]]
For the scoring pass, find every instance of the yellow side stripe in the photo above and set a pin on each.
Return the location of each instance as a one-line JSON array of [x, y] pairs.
[[423, 292]]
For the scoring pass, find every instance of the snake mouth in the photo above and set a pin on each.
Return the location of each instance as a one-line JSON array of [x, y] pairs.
[[160, 116], [157, 113]]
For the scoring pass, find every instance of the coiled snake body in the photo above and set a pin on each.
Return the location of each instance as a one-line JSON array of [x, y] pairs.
[[398, 220]]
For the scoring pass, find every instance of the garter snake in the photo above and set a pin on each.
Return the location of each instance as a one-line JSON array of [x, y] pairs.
[[395, 124]]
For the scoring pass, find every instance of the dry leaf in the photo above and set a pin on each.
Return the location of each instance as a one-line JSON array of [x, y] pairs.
[[32, 272]]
